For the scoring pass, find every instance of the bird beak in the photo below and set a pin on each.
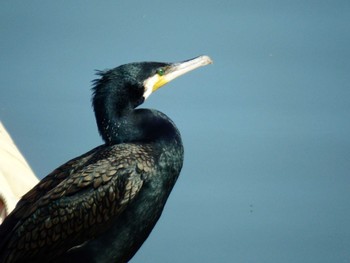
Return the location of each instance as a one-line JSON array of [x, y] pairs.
[[172, 72], [177, 69]]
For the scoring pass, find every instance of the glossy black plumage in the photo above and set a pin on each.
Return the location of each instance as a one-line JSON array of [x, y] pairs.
[[101, 206]]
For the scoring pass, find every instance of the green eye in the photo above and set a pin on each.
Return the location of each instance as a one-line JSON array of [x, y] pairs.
[[160, 71]]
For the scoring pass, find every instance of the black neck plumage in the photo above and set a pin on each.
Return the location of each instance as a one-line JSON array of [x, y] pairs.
[[119, 122]]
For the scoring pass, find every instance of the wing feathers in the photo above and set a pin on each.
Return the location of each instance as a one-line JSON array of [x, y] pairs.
[[73, 205]]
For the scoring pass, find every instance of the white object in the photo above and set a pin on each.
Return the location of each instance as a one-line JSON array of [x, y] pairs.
[[16, 176]]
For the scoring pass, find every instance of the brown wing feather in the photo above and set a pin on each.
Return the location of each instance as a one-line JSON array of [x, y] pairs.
[[50, 182], [28, 203], [70, 208]]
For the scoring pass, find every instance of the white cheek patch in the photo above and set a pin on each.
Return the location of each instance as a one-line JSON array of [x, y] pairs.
[[149, 84]]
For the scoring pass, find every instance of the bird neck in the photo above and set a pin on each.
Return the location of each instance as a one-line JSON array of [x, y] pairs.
[[119, 122], [115, 124], [113, 107], [126, 124]]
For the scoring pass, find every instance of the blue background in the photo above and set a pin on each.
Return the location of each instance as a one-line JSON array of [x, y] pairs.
[[265, 128]]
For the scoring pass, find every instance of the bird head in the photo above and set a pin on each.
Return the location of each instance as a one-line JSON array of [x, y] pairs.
[[134, 82], [123, 88]]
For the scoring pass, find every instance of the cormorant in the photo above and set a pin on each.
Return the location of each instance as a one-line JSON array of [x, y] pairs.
[[102, 205]]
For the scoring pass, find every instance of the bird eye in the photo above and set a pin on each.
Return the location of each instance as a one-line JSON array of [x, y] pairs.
[[160, 71]]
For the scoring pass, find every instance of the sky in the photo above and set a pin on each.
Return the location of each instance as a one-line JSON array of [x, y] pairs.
[[265, 128]]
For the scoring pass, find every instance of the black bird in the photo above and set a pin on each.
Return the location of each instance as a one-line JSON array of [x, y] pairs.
[[102, 205]]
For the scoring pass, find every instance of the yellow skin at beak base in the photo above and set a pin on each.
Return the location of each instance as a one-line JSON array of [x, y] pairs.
[[175, 70], [159, 83]]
